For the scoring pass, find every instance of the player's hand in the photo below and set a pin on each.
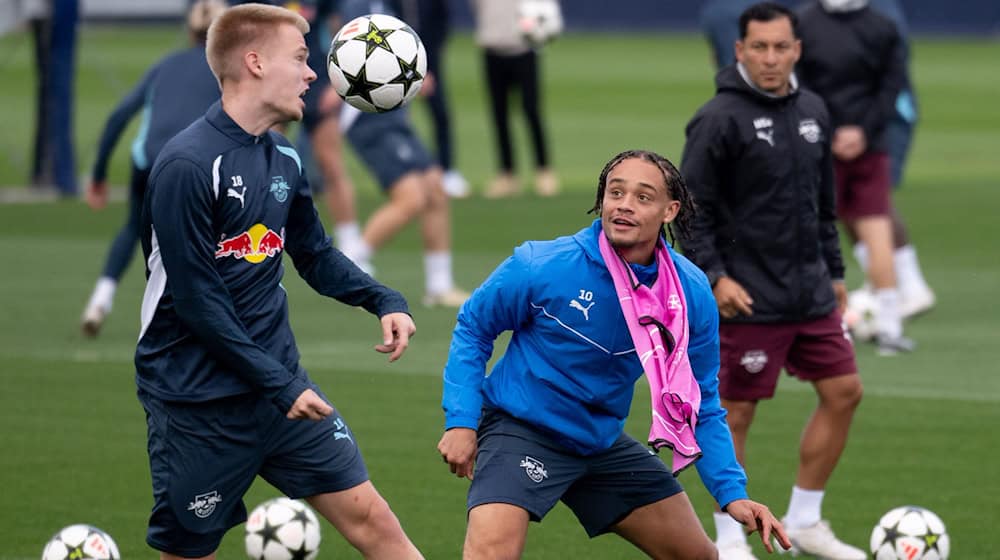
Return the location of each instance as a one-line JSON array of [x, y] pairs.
[[458, 448], [840, 291], [96, 194], [397, 328], [849, 142], [731, 298], [309, 406], [758, 518]]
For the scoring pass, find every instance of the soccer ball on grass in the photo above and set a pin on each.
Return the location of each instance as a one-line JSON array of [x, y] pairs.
[[861, 316], [377, 63], [81, 542], [910, 533], [282, 529]]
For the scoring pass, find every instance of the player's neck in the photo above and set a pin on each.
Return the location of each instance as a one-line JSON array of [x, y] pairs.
[[247, 112]]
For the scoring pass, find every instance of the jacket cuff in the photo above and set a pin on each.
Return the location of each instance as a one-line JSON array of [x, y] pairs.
[[461, 422], [731, 493], [288, 395]]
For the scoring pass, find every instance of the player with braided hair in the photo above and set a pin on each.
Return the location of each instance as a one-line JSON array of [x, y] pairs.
[[547, 423]]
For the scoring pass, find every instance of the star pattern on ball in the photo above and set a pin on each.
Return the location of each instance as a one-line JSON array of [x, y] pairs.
[[408, 75], [362, 87], [375, 38]]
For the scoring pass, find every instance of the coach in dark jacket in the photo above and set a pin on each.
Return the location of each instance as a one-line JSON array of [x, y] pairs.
[[758, 162], [759, 166]]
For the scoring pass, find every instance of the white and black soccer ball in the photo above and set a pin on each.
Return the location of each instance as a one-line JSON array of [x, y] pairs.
[[861, 315], [81, 542], [377, 63], [539, 21], [910, 533], [282, 529]]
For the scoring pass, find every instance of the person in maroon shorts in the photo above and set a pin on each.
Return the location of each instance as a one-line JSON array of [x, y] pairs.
[[854, 58], [758, 162]]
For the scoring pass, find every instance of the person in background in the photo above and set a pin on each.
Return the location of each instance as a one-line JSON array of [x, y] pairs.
[[852, 56], [512, 63], [172, 94]]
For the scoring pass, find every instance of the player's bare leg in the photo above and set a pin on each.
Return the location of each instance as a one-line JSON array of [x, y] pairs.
[[436, 231], [407, 200], [667, 529], [825, 435], [495, 532], [363, 517], [339, 189]]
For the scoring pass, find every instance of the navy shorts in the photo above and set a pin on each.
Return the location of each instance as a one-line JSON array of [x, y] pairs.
[[390, 152], [520, 465], [204, 456], [754, 353]]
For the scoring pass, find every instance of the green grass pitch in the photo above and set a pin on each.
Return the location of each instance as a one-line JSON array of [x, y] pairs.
[[72, 434]]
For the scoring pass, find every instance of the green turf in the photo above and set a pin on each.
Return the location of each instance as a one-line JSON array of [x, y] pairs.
[[72, 435]]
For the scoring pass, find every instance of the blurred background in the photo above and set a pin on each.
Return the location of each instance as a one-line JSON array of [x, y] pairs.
[[628, 74]]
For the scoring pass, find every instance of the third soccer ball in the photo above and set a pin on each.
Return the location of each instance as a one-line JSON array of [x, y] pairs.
[[282, 529], [81, 542], [377, 63], [910, 533]]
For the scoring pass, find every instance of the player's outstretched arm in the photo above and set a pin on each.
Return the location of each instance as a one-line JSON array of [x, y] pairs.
[[759, 518]]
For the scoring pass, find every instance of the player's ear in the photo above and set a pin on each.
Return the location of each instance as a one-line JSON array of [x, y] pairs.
[[252, 62], [671, 211]]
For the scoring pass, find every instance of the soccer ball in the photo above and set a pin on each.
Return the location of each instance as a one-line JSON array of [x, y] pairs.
[[910, 533], [377, 63], [282, 529], [81, 542], [539, 21], [861, 316]]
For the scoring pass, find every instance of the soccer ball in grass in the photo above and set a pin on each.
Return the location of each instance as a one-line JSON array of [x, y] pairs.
[[377, 63], [81, 542], [282, 529], [910, 533], [539, 21], [861, 316]]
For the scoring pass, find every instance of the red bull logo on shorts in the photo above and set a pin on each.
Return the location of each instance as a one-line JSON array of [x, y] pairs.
[[253, 245]]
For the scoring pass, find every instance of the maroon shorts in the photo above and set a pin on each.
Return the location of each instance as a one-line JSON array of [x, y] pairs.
[[864, 186], [754, 353]]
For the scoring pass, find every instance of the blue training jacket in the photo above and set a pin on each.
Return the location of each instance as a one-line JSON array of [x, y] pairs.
[[221, 209], [172, 94], [570, 367]]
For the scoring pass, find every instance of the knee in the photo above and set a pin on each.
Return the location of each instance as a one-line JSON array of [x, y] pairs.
[[489, 546], [848, 395]]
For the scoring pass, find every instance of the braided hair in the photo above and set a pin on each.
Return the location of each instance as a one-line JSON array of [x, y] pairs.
[[676, 189]]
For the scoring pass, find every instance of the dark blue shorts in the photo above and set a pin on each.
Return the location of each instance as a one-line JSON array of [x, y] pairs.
[[204, 456], [520, 465], [389, 152]]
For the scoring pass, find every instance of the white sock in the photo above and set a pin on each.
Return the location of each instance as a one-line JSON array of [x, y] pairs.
[[104, 294], [347, 234], [437, 272], [908, 273], [889, 322], [727, 529], [861, 255], [804, 508]]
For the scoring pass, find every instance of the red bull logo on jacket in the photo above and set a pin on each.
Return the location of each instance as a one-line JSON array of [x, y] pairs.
[[253, 245]]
